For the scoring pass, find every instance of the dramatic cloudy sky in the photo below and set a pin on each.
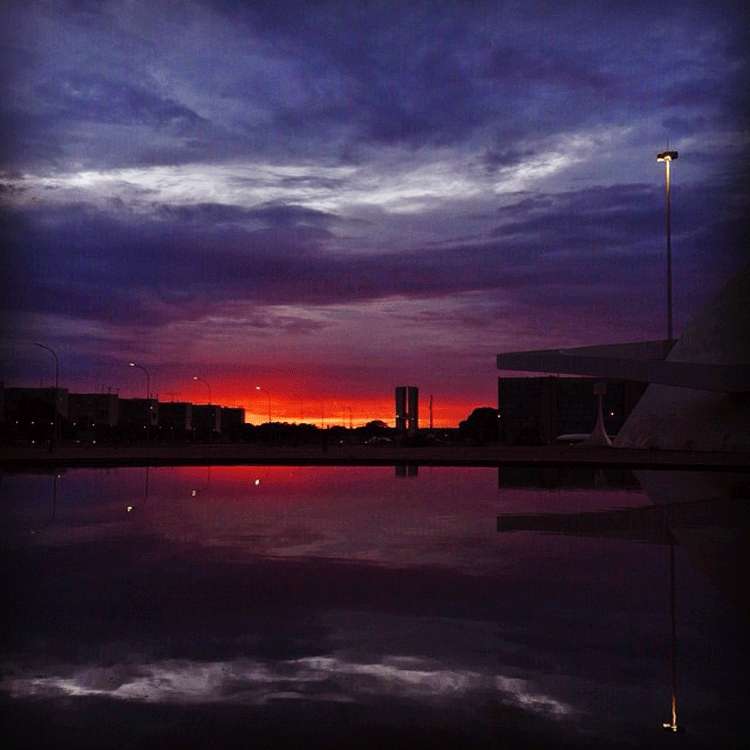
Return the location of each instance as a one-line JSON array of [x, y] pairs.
[[330, 199]]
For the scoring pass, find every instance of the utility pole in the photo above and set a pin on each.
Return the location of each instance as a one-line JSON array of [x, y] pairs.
[[431, 424]]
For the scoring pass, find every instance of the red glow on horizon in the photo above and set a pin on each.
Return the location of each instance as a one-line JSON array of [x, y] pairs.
[[321, 409], [356, 411], [296, 399]]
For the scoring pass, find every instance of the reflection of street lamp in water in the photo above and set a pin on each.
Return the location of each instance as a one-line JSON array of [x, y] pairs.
[[196, 490], [671, 725], [130, 507]]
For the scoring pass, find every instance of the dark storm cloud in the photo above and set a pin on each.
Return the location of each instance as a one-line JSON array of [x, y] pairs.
[[544, 66], [621, 215], [211, 81], [202, 161]]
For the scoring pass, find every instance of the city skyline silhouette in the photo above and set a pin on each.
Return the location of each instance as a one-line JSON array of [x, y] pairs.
[[329, 201]]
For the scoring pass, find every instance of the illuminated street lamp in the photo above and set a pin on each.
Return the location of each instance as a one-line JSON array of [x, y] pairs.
[[206, 383], [148, 377], [268, 397], [668, 157]]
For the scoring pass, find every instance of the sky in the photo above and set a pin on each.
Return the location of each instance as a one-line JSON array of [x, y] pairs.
[[330, 199]]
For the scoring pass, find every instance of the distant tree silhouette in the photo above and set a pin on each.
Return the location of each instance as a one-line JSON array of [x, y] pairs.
[[376, 424], [480, 426]]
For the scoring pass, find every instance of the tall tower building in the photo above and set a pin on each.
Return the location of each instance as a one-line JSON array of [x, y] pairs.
[[407, 408]]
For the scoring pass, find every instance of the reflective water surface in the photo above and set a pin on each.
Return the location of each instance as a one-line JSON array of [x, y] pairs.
[[351, 606]]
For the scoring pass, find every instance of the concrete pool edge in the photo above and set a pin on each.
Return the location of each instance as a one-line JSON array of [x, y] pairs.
[[19, 458]]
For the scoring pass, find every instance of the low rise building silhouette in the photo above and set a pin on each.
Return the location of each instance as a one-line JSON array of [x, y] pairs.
[[176, 416], [536, 410], [140, 413], [94, 409], [232, 421], [206, 419]]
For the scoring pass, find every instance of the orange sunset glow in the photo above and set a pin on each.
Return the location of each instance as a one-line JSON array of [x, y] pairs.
[[327, 409]]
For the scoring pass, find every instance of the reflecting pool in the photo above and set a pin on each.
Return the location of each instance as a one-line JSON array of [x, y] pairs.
[[359, 606]]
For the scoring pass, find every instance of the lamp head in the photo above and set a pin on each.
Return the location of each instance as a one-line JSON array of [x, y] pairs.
[[131, 364], [667, 156]]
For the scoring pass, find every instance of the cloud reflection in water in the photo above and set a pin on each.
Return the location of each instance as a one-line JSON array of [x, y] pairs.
[[321, 678]]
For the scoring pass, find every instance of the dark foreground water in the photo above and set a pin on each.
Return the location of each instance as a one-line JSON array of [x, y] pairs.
[[369, 607]]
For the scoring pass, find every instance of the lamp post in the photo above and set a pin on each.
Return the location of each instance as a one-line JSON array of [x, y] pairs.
[[268, 398], [148, 396], [668, 157], [206, 383], [211, 416], [148, 377], [55, 398]]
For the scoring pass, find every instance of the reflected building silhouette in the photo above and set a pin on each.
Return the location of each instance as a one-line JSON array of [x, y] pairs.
[[707, 514], [645, 524], [569, 477], [648, 523]]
